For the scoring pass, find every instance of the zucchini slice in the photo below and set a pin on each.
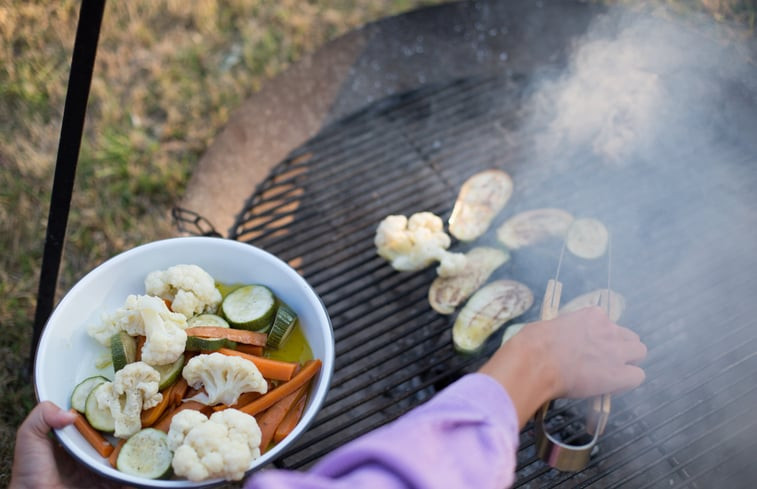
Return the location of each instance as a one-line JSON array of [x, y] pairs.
[[146, 454], [100, 419], [250, 307], [593, 298], [446, 293], [207, 319], [587, 238], [123, 350], [487, 310], [282, 327], [82, 390], [532, 227], [511, 331], [479, 201], [195, 343], [169, 372]]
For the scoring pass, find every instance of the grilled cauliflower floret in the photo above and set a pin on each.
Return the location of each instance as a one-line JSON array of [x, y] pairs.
[[224, 378], [190, 289], [413, 244], [222, 446], [134, 388], [147, 316]]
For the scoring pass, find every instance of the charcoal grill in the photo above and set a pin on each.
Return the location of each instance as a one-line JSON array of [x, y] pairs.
[[682, 212], [682, 208]]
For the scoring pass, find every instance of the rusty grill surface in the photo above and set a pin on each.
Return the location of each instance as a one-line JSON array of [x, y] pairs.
[[683, 222]]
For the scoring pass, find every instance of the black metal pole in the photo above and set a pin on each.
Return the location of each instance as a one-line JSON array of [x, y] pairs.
[[72, 125]]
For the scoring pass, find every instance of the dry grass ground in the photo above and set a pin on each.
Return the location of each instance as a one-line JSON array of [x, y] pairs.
[[167, 75]]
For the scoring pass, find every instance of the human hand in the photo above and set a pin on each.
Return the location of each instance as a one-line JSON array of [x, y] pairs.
[[590, 354], [39, 463], [577, 355]]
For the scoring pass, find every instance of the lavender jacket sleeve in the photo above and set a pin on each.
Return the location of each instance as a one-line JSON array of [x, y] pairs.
[[466, 436]]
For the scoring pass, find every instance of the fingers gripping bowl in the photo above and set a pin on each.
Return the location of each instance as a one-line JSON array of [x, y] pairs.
[[66, 353]]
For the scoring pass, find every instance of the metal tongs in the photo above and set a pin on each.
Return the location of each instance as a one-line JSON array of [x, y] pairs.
[[557, 454]]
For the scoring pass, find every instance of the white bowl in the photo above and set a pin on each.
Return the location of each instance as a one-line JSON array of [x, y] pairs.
[[66, 354]]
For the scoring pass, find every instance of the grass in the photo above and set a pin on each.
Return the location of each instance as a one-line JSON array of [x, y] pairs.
[[168, 73]]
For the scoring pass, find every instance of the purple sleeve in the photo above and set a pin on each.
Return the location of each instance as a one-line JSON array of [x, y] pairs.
[[466, 436]]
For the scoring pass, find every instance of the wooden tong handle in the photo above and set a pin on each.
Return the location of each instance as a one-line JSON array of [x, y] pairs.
[[553, 451], [550, 305]]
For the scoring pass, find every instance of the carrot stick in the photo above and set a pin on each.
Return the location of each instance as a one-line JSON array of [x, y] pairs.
[[250, 349], [150, 416], [270, 419], [244, 398], [165, 422], [267, 400], [94, 437], [113, 458], [171, 395], [178, 391], [236, 335], [270, 369], [291, 419]]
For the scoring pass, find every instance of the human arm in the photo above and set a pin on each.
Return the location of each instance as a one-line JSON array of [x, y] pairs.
[[581, 354], [467, 435]]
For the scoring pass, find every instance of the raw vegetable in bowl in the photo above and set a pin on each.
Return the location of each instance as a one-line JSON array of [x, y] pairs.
[[227, 374]]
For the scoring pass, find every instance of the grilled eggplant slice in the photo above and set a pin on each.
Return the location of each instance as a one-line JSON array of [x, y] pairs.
[[593, 298], [531, 227], [480, 199], [487, 310], [587, 238], [446, 293]]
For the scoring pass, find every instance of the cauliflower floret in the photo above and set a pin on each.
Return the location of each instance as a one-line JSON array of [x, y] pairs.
[[413, 244], [148, 316], [119, 320], [164, 331], [181, 424], [134, 388], [190, 289], [224, 378], [223, 445], [451, 264]]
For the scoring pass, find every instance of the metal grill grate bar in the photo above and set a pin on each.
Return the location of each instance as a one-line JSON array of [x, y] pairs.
[[360, 196], [706, 460], [434, 379], [339, 164], [716, 429], [320, 210], [637, 418], [695, 371]]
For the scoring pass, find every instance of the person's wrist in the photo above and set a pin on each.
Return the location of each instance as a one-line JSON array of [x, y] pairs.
[[538, 341], [525, 367]]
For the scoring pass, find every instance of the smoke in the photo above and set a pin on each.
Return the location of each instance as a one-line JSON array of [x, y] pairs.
[[636, 78], [654, 122], [605, 101]]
